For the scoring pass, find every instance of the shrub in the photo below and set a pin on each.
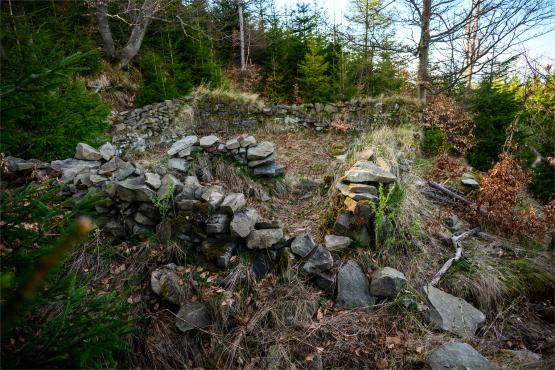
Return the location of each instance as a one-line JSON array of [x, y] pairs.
[[443, 113], [499, 197]]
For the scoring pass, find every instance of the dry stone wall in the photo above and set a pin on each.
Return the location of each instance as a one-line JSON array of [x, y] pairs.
[[164, 122]]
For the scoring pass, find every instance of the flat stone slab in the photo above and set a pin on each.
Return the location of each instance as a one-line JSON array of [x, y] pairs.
[[192, 316], [453, 356], [387, 282], [451, 313], [261, 151], [208, 141], [179, 164], [337, 243], [182, 144], [352, 287], [470, 183], [366, 171], [264, 239], [362, 188]]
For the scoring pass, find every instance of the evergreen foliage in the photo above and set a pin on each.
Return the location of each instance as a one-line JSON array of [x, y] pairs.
[[496, 105], [63, 322], [314, 83]]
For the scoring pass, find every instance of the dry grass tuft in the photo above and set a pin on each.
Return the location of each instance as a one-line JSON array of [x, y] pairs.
[[226, 94]]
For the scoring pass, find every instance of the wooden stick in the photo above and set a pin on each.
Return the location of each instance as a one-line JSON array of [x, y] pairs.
[[443, 189], [458, 253]]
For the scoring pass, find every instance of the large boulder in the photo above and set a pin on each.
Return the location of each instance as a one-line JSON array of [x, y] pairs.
[[264, 239], [193, 316], [87, 152], [319, 261], [303, 244], [366, 171], [387, 282], [452, 313], [243, 222], [452, 356], [165, 282], [352, 287]]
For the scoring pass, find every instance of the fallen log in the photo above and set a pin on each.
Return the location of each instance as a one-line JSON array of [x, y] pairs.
[[452, 194], [458, 253]]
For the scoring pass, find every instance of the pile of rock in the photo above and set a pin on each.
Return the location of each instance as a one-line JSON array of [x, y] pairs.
[[359, 187], [259, 157]]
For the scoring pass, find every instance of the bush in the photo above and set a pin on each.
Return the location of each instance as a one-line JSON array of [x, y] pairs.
[[443, 113], [543, 182]]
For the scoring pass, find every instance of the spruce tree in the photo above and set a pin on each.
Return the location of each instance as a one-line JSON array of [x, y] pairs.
[[313, 80]]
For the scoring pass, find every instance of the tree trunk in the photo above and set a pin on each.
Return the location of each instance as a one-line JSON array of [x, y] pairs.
[[424, 50], [472, 34], [109, 49], [241, 36], [134, 43]]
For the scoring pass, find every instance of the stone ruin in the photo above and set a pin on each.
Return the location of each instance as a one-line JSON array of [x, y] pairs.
[[219, 225]]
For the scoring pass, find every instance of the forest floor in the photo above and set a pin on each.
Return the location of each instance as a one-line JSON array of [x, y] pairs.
[[506, 278]]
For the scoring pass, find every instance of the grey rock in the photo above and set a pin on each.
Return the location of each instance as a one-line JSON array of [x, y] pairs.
[[131, 190], [268, 169], [470, 183], [319, 261], [153, 180], [165, 282], [337, 243], [525, 355], [268, 224], [192, 316], [453, 356], [366, 171], [233, 202], [363, 196], [208, 141], [143, 220], [232, 144], [185, 152], [362, 188], [69, 174], [186, 204], [217, 224], [452, 313], [223, 259], [243, 222], [179, 164], [87, 152], [264, 239], [387, 282], [107, 151], [261, 151], [97, 179], [352, 287], [330, 108], [125, 170], [326, 282], [164, 231], [247, 141], [64, 164], [214, 196], [182, 144], [303, 244], [260, 162], [168, 182], [190, 186], [342, 224]]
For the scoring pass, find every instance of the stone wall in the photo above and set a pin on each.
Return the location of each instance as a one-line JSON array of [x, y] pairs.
[[162, 123]]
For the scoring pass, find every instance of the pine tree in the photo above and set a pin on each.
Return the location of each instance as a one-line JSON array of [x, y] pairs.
[[313, 80]]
